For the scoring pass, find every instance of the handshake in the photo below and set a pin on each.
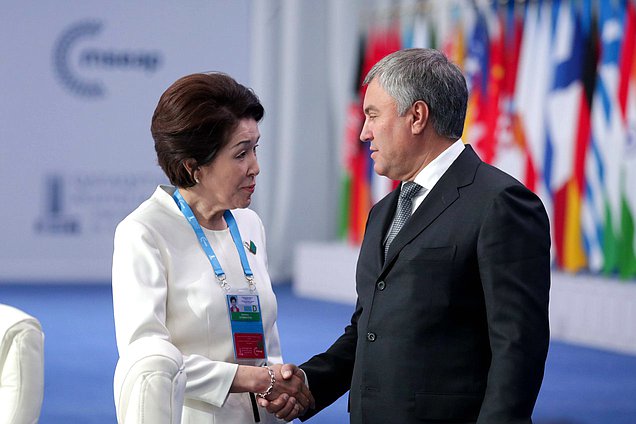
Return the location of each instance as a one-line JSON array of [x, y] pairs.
[[289, 396]]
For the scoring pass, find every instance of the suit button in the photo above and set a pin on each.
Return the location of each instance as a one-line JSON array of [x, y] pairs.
[[371, 337], [381, 285]]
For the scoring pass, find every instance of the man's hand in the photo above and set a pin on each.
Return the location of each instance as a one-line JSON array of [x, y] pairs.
[[290, 396]]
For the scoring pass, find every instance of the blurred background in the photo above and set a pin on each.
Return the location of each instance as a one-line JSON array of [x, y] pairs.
[[552, 102]]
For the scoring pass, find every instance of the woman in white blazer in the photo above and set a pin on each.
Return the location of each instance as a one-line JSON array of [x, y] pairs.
[[181, 255]]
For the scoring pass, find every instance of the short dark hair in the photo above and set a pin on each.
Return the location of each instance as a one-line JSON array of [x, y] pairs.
[[194, 118], [410, 75]]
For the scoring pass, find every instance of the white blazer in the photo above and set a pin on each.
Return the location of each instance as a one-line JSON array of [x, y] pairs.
[[164, 286]]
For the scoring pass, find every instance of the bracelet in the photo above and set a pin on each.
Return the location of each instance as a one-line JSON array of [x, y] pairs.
[[272, 381]]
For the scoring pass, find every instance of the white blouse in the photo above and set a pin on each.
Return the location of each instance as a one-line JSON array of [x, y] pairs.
[[164, 286]]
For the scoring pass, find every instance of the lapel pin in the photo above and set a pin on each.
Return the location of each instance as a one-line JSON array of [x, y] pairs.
[[251, 247]]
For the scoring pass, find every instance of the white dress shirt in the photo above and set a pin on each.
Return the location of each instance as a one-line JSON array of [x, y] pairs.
[[431, 174]]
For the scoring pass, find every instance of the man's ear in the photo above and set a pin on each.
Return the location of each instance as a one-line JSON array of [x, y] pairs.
[[419, 112]]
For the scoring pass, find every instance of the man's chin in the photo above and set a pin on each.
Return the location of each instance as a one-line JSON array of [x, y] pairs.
[[379, 170]]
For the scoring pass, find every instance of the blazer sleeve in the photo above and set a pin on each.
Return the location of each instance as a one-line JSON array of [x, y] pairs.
[[514, 264], [274, 353], [140, 290], [329, 373]]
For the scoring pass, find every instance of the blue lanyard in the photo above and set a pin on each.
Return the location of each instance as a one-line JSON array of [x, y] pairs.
[[205, 244]]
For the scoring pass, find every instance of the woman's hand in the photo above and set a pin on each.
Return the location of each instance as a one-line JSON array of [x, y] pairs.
[[290, 396]]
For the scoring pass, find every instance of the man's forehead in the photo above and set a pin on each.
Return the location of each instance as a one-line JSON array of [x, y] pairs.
[[376, 97]]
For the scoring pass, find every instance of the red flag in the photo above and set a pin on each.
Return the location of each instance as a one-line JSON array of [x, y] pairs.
[[380, 42]]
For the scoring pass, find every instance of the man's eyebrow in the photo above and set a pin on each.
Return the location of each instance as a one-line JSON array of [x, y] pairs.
[[370, 109]]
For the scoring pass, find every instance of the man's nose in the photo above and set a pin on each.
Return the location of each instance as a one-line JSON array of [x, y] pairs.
[[366, 135]]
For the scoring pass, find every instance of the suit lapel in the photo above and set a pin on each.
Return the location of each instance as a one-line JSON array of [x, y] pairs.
[[378, 226], [443, 194]]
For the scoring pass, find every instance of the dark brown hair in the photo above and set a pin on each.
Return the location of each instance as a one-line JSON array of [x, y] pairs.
[[194, 118]]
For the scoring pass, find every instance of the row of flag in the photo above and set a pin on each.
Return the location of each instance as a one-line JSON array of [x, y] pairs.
[[552, 101]]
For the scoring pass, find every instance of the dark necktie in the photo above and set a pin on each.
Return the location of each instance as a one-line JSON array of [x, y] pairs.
[[403, 213]]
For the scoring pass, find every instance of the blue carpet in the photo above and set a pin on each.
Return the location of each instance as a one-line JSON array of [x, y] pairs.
[[581, 385]]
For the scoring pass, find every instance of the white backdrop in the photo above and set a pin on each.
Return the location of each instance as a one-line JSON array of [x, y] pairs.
[[303, 65], [79, 82]]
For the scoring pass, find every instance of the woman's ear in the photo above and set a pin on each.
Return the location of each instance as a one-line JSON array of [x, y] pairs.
[[420, 112], [191, 166]]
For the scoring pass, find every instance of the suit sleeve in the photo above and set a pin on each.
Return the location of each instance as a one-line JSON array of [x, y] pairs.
[[329, 373], [514, 264]]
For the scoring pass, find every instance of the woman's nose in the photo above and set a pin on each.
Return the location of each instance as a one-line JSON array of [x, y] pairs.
[[255, 169]]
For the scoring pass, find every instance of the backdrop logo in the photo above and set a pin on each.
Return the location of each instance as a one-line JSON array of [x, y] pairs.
[[54, 218], [71, 63], [75, 202]]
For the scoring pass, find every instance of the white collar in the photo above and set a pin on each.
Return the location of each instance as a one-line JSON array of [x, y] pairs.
[[431, 174]]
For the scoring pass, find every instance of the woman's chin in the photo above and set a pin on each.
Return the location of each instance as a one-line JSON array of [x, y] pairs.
[[243, 203]]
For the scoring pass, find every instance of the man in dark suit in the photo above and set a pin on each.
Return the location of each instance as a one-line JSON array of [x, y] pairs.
[[451, 322]]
